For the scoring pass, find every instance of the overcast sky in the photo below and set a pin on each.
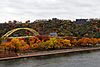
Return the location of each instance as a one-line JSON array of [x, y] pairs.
[[40, 9]]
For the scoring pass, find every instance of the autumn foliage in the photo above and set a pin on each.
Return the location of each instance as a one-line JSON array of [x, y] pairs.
[[16, 45], [41, 42]]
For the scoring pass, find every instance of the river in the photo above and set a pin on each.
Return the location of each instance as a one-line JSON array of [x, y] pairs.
[[89, 59]]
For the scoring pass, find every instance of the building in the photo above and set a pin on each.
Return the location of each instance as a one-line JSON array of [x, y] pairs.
[[81, 21]]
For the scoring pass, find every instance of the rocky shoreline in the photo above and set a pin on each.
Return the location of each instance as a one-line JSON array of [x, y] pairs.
[[46, 53]]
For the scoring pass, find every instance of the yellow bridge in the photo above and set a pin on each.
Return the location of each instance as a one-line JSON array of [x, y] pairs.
[[14, 30]]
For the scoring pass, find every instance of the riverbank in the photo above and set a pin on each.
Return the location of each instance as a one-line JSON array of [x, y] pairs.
[[51, 52]]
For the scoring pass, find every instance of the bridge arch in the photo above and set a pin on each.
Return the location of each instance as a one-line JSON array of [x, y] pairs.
[[14, 30]]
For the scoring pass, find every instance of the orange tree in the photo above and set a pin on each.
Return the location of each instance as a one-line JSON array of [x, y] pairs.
[[15, 45], [94, 41], [98, 40], [84, 42]]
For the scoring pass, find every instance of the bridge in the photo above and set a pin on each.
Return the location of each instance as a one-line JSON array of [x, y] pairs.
[[17, 29]]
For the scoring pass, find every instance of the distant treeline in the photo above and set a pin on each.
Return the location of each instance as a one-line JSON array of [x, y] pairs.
[[78, 28]]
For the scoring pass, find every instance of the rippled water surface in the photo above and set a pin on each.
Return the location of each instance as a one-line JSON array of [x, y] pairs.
[[79, 60]]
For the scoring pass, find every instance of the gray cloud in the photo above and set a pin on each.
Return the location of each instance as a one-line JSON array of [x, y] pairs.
[[38, 9]]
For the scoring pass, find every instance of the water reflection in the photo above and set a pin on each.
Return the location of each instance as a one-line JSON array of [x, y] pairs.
[[80, 60]]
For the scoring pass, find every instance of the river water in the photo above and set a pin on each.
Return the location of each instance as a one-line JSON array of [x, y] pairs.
[[91, 59]]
